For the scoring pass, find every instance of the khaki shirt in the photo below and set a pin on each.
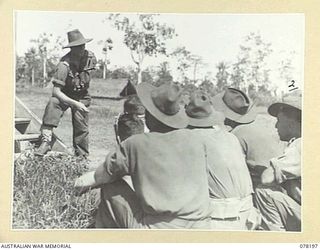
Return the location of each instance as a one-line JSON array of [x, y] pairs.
[[259, 143], [168, 172], [288, 165], [73, 81], [228, 174], [287, 169]]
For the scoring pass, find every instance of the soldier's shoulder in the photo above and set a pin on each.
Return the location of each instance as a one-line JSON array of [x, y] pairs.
[[135, 139], [65, 59], [62, 66], [247, 129], [90, 53]]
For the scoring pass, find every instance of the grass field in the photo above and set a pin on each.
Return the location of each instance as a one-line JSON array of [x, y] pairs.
[[101, 116]]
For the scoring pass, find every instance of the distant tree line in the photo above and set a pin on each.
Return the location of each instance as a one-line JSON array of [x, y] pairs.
[[146, 37]]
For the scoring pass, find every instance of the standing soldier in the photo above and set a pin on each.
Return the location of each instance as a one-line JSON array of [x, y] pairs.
[[70, 89]]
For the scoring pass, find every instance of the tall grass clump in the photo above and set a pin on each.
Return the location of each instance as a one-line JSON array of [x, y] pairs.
[[44, 195]]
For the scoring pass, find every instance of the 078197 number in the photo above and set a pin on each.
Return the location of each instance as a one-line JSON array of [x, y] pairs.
[[309, 245]]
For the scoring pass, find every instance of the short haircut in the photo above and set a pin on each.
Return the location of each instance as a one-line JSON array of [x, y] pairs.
[[128, 125], [156, 125], [133, 105]]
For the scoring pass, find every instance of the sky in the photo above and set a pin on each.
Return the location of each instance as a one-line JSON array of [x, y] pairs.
[[214, 37]]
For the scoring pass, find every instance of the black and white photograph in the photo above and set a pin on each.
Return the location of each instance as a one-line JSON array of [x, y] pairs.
[[155, 121]]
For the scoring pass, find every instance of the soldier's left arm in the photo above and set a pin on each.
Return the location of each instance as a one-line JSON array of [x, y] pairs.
[[288, 166]]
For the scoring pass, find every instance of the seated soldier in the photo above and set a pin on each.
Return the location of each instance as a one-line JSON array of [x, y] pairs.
[[167, 167], [230, 186], [280, 201], [131, 121], [128, 125], [259, 143]]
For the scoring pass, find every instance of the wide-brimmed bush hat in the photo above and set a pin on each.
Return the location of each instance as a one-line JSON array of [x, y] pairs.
[[290, 100], [201, 112], [75, 38], [235, 105], [163, 103]]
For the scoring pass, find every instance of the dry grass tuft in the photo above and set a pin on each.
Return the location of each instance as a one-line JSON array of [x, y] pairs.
[[43, 194]]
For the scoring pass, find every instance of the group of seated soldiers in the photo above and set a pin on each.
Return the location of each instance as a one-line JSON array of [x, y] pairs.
[[208, 165]]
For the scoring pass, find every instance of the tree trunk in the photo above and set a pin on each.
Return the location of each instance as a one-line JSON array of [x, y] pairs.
[[138, 63], [194, 73], [32, 77], [105, 65], [104, 71], [44, 69], [139, 76], [275, 93]]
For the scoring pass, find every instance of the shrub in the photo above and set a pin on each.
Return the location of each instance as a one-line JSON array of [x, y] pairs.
[[43, 193]]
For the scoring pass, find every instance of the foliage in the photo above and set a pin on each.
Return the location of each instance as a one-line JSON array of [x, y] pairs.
[[237, 76], [286, 68], [209, 87], [251, 69], [262, 97], [47, 46], [39, 62], [196, 62], [146, 37], [107, 45], [120, 73], [33, 62], [188, 89], [182, 55], [157, 75], [43, 194], [187, 61], [20, 67], [163, 75], [222, 76], [147, 75]]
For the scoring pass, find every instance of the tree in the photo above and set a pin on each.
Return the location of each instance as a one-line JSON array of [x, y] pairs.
[[237, 77], [46, 47], [145, 37], [148, 75], [286, 70], [42, 43], [120, 72], [182, 56], [107, 45], [32, 61], [163, 75], [208, 87], [251, 69], [187, 61], [196, 62], [20, 67], [222, 76]]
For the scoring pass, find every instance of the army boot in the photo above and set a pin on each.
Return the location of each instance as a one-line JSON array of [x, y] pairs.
[[45, 147]]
